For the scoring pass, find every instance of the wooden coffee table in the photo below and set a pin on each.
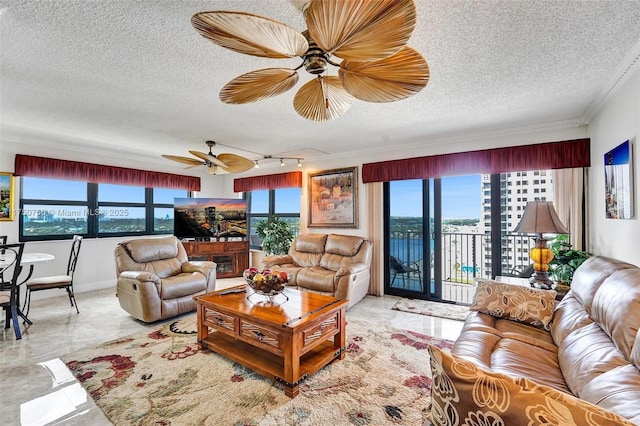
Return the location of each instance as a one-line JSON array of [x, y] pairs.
[[285, 342]]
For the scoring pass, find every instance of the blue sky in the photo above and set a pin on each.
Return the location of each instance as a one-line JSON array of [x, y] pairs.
[[461, 197]]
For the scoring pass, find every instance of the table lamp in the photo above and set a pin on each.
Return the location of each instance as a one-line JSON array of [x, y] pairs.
[[540, 218]]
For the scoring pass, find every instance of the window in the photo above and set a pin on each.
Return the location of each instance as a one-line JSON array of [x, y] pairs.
[[283, 203], [56, 209], [163, 199]]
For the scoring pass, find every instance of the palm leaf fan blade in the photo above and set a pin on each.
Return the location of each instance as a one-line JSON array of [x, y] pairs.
[[235, 163], [361, 30], [250, 34], [257, 85], [392, 79], [184, 160], [322, 99]]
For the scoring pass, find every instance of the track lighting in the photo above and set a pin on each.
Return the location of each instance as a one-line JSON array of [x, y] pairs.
[[281, 159]]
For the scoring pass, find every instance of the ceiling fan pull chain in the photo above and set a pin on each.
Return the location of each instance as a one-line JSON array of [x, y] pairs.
[[325, 94]]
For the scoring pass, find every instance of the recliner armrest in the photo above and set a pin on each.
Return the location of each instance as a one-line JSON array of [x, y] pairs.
[[352, 268], [277, 259], [141, 276], [204, 267]]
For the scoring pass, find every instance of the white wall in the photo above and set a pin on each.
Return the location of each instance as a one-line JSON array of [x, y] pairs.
[[617, 122]]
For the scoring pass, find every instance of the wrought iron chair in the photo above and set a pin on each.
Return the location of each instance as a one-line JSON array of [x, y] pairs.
[[403, 270], [522, 271], [57, 281], [3, 285], [10, 258]]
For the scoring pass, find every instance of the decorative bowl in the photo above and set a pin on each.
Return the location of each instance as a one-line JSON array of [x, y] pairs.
[[266, 282]]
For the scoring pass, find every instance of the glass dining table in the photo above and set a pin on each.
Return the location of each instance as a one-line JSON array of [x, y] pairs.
[[28, 260]]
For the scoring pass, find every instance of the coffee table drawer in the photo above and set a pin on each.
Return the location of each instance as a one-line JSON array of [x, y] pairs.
[[219, 320], [260, 334], [320, 332]]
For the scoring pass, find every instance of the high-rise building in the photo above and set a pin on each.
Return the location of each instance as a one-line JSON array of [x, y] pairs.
[[516, 190]]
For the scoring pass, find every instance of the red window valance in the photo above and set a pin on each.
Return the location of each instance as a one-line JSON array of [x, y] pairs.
[[27, 165], [552, 155], [280, 180]]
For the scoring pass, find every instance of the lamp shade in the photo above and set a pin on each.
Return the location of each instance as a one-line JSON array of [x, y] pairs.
[[540, 218]]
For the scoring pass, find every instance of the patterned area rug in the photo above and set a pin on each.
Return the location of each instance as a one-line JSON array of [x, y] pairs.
[[164, 377], [433, 309]]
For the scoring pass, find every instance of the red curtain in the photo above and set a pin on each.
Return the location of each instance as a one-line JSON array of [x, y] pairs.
[[552, 155], [280, 180], [27, 165]]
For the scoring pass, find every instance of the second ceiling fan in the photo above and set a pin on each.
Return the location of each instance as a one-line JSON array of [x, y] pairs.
[[216, 164], [370, 36]]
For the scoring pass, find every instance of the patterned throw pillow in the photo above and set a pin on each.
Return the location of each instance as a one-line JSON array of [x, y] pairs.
[[524, 304], [464, 394]]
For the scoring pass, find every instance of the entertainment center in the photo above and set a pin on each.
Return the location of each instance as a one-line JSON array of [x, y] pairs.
[[231, 257], [214, 229]]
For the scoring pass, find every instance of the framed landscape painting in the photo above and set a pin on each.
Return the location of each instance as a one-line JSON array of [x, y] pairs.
[[333, 198], [618, 178], [7, 207]]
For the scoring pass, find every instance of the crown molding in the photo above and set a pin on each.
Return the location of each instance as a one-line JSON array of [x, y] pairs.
[[620, 75], [452, 140]]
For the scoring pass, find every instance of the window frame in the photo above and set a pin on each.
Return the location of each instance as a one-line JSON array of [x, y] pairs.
[[259, 216], [91, 204]]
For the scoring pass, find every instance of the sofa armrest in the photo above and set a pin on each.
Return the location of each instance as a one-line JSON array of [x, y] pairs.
[[138, 293], [141, 276], [276, 259], [204, 267], [352, 268]]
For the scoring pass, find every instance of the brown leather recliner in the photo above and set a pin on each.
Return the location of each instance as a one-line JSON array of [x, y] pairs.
[[156, 280], [332, 264]]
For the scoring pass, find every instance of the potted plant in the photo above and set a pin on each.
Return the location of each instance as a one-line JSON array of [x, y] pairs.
[[566, 260], [276, 235]]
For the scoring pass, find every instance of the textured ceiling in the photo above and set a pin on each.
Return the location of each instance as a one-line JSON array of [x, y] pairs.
[[135, 76]]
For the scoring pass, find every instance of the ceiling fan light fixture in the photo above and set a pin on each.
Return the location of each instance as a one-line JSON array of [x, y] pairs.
[[315, 60]]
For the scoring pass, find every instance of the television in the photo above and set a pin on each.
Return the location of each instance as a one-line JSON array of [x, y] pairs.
[[206, 218]]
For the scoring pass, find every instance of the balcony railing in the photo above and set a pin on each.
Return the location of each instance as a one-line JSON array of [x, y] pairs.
[[464, 257]]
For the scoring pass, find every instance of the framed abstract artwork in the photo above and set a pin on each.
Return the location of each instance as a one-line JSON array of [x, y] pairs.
[[333, 198], [7, 196], [618, 181]]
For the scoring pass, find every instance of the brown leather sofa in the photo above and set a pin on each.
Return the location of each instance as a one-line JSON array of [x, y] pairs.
[[590, 353], [333, 264], [156, 280]]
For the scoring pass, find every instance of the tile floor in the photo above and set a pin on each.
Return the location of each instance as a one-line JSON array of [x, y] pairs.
[[37, 389]]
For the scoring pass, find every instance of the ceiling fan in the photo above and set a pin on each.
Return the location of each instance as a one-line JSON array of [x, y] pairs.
[[370, 36], [216, 164]]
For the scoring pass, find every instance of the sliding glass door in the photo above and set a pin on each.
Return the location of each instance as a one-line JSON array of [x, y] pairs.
[[408, 234], [433, 238], [442, 234]]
